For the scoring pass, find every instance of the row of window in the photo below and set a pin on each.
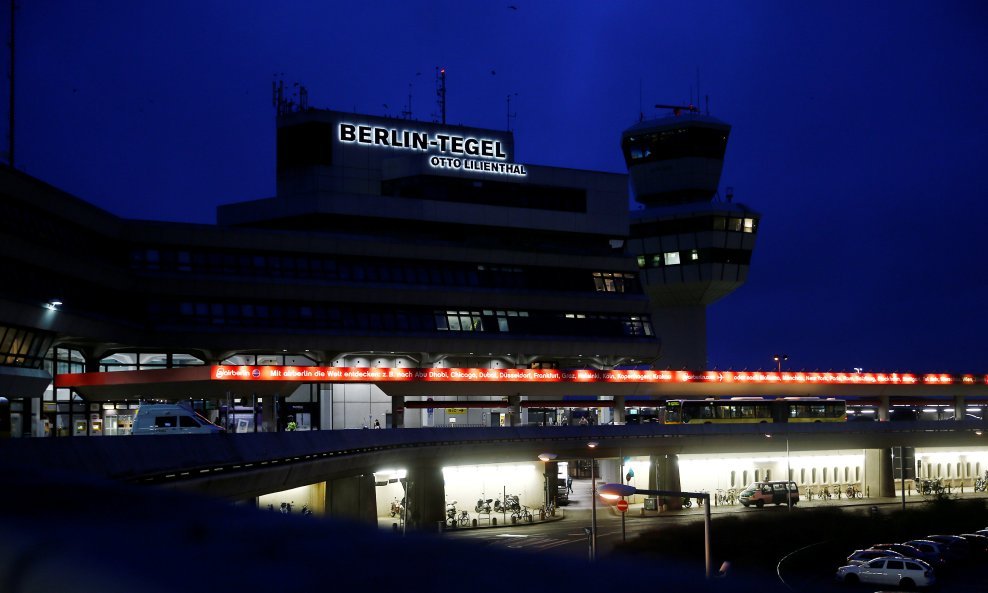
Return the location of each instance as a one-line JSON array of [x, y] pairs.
[[23, 347], [367, 317], [386, 271], [695, 224], [474, 321], [675, 143], [705, 255], [487, 192]]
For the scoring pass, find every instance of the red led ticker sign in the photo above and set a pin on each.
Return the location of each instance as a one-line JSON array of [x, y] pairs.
[[307, 374]]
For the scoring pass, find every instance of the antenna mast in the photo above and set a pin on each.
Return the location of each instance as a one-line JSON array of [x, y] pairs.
[[10, 129], [441, 92], [407, 111]]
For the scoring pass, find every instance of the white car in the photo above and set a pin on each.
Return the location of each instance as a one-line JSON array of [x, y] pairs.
[[902, 572], [865, 556]]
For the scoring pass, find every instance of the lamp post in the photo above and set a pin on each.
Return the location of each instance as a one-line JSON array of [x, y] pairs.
[[778, 358], [616, 491], [593, 505]]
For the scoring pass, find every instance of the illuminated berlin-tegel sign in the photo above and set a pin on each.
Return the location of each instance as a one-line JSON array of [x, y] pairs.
[[462, 153]]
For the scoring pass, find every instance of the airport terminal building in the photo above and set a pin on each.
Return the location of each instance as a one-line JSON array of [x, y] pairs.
[[390, 243]]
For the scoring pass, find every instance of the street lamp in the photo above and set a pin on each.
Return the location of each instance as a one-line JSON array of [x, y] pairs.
[[778, 358], [616, 491], [593, 505]]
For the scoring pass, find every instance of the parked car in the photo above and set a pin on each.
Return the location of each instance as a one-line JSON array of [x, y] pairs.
[[865, 556], [957, 548], [908, 551], [762, 493], [902, 572], [978, 543], [934, 554]]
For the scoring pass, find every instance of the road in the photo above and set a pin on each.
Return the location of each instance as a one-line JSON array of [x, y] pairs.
[[567, 535]]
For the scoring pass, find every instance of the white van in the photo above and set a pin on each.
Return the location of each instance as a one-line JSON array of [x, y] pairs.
[[171, 419]]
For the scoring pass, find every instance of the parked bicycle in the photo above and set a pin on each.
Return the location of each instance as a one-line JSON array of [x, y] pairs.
[[451, 515], [397, 506], [522, 514], [981, 484], [853, 492]]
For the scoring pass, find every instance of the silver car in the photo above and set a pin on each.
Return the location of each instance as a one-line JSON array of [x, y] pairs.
[[901, 572]]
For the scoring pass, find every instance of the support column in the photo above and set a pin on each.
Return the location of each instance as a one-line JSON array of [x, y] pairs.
[[665, 476], [515, 402], [960, 408], [352, 498], [883, 408], [269, 420], [426, 497], [619, 409], [550, 474], [878, 477], [397, 411]]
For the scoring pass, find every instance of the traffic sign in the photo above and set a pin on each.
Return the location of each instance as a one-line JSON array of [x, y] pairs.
[[622, 505]]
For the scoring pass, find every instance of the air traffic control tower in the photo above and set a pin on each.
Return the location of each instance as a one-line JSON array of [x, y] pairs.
[[692, 247]]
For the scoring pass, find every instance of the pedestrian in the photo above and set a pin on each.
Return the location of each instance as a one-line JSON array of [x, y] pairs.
[[377, 424], [569, 485]]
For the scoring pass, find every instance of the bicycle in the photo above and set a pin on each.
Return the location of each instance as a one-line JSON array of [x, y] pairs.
[[522, 514], [464, 519], [853, 492]]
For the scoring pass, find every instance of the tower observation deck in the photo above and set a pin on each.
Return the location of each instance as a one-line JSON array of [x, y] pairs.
[[692, 247]]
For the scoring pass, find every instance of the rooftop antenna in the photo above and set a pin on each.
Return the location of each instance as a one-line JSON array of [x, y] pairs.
[[406, 113], [508, 109], [10, 128], [441, 93], [678, 109], [698, 86], [641, 110]]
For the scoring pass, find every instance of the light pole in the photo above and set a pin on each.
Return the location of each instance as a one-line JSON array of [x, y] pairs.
[[778, 358], [616, 491], [593, 505]]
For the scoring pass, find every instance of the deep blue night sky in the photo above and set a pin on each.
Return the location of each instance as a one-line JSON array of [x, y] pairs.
[[859, 131]]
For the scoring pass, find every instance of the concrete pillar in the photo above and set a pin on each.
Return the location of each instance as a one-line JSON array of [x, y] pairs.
[[619, 409], [960, 408], [665, 476], [352, 498], [515, 402], [550, 473], [426, 497], [269, 420], [883, 408], [878, 479], [397, 411], [5, 418]]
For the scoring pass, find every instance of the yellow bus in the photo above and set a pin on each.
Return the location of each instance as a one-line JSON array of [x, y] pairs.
[[755, 410]]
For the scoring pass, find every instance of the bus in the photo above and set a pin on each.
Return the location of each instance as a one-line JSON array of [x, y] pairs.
[[755, 410]]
